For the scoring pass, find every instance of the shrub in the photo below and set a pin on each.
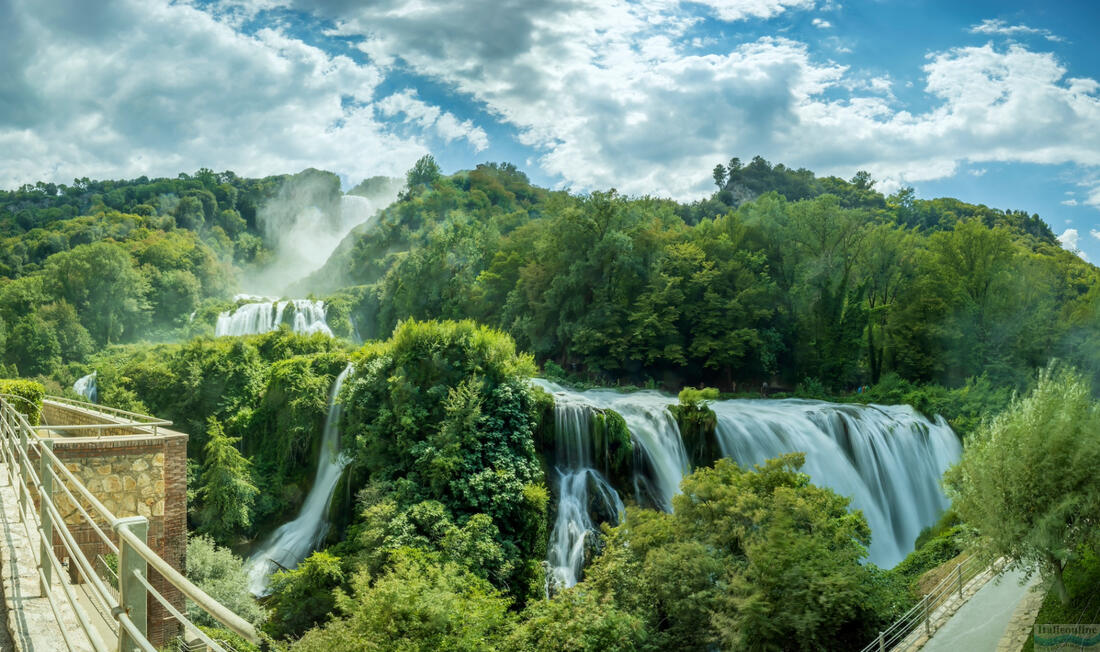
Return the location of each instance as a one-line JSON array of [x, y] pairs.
[[27, 398], [221, 574]]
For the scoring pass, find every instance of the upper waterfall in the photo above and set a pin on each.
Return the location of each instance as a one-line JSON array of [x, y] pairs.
[[887, 459], [264, 314]]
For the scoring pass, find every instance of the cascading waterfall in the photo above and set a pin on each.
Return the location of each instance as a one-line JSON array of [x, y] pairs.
[[263, 314], [86, 387], [582, 490], [887, 459], [293, 541]]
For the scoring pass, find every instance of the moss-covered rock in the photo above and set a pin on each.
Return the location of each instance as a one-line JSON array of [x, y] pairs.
[[698, 425], [613, 447]]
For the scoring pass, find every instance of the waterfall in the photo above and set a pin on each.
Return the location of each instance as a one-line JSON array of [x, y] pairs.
[[582, 490], [86, 387], [264, 314], [293, 541], [887, 459]]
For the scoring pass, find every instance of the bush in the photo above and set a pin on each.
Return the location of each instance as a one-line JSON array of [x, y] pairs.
[[304, 597], [419, 605], [27, 398], [221, 574]]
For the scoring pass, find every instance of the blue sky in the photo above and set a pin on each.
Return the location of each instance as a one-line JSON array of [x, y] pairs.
[[992, 102]]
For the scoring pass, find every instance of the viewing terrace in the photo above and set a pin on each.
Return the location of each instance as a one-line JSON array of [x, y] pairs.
[[94, 531]]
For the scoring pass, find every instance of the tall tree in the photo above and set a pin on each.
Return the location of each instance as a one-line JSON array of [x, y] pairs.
[[1027, 480], [226, 493]]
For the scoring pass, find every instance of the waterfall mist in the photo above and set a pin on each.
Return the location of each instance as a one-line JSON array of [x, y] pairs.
[[307, 219]]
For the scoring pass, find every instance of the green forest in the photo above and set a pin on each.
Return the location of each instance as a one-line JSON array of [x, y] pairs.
[[781, 283]]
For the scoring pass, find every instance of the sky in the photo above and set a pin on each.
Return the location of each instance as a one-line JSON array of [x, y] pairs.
[[996, 103]]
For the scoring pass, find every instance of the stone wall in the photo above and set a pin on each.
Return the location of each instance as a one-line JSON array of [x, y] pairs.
[[133, 473]]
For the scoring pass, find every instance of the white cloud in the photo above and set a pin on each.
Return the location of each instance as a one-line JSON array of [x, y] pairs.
[[979, 172], [568, 75], [614, 93], [444, 123], [1094, 233], [1069, 202], [821, 23], [734, 10], [998, 27], [1070, 239], [143, 87]]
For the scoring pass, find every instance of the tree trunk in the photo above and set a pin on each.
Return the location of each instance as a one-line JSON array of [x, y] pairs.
[[1059, 581]]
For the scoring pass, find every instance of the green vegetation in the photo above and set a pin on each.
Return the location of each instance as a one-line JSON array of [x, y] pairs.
[[464, 285], [1082, 578], [1027, 480], [26, 397], [441, 412], [220, 573], [226, 493], [779, 277], [267, 397], [746, 560]]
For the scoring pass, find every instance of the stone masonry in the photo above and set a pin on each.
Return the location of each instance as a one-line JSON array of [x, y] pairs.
[[133, 472]]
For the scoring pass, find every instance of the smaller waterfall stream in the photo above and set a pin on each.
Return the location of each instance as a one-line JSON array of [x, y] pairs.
[[86, 387], [264, 314], [293, 541], [582, 490]]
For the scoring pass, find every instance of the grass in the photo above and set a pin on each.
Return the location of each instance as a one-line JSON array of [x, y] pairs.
[[1083, 585]]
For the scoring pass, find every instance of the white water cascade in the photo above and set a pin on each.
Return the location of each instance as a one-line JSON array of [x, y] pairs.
[[887, 459], [263, 315], [293, 541], [582, 490], [86, 387]]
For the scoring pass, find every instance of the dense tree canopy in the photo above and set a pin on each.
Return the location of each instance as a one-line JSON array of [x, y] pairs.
[[1027, 481]]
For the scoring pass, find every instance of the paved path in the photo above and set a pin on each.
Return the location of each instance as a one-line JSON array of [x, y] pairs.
[[979, 624], [31, 623]]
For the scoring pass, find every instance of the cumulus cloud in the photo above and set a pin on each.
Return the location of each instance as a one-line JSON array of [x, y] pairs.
[[444, 123], [733, 10], [821, 23], [997, 27], [141, 87], [609, 96], [1070, 238], [616, 93], [1069, 202]]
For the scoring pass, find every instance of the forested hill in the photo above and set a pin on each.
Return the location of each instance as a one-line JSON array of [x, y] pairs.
[[780, 276], [101, 262]]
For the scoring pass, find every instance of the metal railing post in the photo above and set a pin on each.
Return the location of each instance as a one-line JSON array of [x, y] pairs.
[[132, 595], [881, 642], [960, 568], [24, 472], [45, 496], [927, 618]]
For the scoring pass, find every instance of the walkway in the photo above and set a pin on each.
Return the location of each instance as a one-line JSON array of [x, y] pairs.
[[30, 620], [980, 623]]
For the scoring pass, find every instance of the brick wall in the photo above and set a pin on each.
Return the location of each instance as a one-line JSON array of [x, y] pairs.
[[133, 473]]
